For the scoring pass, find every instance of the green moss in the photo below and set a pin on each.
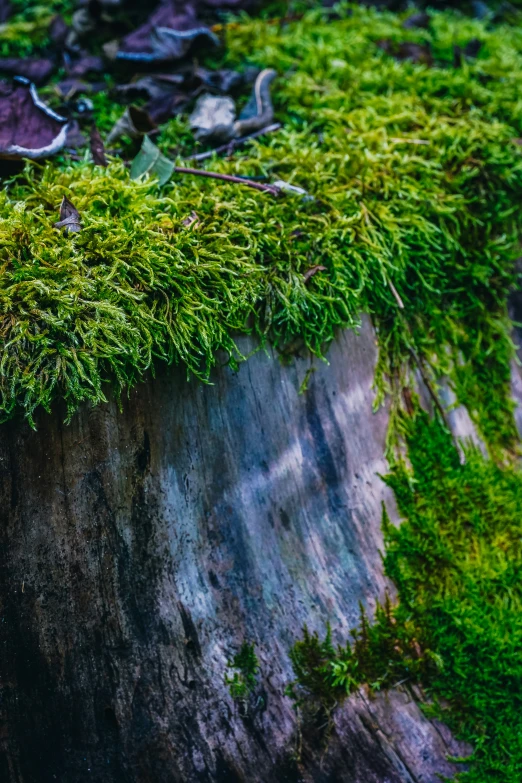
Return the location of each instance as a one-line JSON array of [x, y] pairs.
[[243, 680], [439, 220], [27, 31], [456, 561]]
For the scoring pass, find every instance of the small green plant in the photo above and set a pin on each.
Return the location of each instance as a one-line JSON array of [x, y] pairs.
[[243, 679]]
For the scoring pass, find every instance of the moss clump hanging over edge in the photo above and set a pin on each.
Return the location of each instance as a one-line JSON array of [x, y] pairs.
[[415, 180]]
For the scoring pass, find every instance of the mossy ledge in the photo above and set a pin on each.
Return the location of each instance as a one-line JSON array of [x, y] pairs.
[[416, 180]]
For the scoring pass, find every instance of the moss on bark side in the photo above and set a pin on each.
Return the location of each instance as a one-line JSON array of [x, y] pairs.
[[456, 561]]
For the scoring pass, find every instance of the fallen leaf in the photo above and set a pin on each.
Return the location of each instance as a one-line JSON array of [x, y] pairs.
[[75, 138], [167, 35], [134, 122], [69, 217], [97, 147], [313, 271], [407, 50], [85, 65], [167, 94], [37, 71], [159, 86], [58, 31], [28, 128], [213, 118], [190, 220], [225, 80], [470, 51], [259, 112], [150, 160], [70, 88]]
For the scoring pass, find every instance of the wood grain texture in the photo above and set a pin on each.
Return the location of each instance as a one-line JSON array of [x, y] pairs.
[[140, 548]]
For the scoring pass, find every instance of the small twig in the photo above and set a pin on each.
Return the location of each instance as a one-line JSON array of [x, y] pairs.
[[229, 178], [418, 361], [230, 146], [396, 295], [401, 682]]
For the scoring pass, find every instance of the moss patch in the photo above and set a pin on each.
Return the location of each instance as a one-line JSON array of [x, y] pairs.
[[456, 561], [416, 183], [244, 668]]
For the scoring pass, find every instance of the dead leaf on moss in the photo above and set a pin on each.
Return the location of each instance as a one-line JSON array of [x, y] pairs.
[[191, 220], [84, 65], [58, 31], [134, 123], [69, 217], [167, 35], [36, 70], [28, 128], [259, 112], [97, 148], [213, 118], [313, 271], [407, 50]]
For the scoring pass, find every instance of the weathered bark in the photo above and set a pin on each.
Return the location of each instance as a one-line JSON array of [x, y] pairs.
[[140, 548]]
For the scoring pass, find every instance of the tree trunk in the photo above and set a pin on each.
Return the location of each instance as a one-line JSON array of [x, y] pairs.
[[141, 547]]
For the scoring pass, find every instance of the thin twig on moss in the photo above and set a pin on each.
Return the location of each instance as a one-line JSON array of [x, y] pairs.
[[229, 178], [231, 146]]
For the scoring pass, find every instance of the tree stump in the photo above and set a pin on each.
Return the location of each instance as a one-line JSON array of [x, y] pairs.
[[141, 547]]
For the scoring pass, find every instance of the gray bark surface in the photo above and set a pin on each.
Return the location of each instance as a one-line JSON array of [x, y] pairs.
[[140, 548]]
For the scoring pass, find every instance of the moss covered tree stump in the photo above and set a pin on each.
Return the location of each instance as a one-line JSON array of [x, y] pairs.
[[141, 548]]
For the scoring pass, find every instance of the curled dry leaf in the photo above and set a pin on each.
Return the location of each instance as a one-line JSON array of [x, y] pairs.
[[259, 112], [167, 35], [416, 53], [58, 31], [28, 128], [84, 65], [75, 138], [69, 217], [97, 147], [134, 122], [167, 94], [214, 116], [313, 271], [190, 220], [36, 70]]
